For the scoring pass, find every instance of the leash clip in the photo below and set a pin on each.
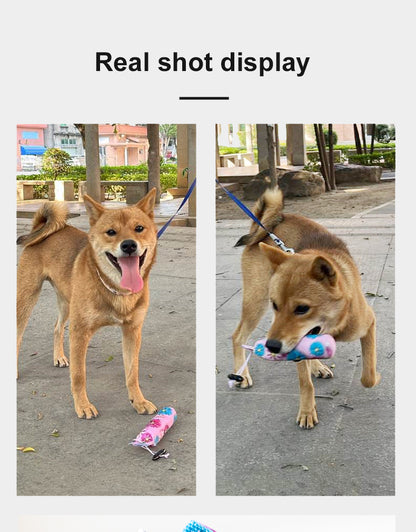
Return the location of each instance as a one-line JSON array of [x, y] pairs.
[[281, 244], [162, 453]]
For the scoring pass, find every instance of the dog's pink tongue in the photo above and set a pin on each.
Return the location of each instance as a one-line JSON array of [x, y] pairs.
[[130, 274]]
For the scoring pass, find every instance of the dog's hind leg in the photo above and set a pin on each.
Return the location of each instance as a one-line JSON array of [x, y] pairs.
[[256, 279], [59, 358], [28, 290], [369, 376]]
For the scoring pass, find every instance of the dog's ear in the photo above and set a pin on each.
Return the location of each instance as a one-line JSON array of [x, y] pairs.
[[275, 255], [323, 270], [94, 209], [147, 204]]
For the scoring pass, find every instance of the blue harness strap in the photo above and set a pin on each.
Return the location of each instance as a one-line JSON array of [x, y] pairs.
[[245, 209], [185, 199]]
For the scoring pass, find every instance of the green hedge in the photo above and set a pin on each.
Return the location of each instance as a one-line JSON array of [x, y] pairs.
[[385, 159], [168, 176], [346, 147]]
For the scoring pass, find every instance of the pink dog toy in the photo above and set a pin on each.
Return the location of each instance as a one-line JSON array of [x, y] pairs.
[[155, 430], [311, 346]]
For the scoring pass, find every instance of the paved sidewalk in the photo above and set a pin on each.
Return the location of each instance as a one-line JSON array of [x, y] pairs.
[[261, 450], [93, 457]]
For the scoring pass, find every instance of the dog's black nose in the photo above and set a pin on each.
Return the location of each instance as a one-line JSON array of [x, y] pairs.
[[274, 346], [128, 246]]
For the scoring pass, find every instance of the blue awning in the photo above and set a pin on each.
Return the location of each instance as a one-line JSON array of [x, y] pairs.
[[32, 150]]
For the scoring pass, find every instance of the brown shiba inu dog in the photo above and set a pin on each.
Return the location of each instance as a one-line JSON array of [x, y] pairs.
[[315, 290], [100, 278]]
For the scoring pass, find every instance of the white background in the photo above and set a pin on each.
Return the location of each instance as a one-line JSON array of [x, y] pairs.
[[361, 70]]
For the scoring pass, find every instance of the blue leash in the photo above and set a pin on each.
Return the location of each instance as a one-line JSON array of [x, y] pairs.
[[185, 199], [244, 208]]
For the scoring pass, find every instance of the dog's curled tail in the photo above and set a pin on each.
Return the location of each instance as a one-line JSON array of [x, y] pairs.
[[268, 209], [49, 219]]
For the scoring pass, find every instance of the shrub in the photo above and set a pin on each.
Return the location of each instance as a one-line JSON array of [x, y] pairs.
[[228, 150], [385, 159], [55, 162], [168, 177], [334, 137]]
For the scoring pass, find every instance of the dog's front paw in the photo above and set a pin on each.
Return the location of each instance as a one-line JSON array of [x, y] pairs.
[[307, 419], [247, 382], [369, 381], [144, 406], [86, 410], [61, 361], [321, 370]]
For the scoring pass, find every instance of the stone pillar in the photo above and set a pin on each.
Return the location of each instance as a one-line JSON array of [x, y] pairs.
[[92, 157], [295, 144], [262, 146], [277, 141], [235, 142], [64, 191], [192, 173], [249, 139]]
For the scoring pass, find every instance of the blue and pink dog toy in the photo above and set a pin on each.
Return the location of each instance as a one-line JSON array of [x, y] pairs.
[[193, 526], [312, 346], [154, 431]]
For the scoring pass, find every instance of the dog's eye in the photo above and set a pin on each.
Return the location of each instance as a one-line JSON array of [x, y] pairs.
[[274, 305], [111, 232], [139, 228], [301, 309]]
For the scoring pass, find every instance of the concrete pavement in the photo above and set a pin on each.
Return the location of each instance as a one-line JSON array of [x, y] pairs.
[[79, 457], [260, 449]]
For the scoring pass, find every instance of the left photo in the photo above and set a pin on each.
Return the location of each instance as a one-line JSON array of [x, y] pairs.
[[106, 228]]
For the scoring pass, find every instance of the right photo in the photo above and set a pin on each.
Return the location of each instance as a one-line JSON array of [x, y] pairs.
[[305, 355]]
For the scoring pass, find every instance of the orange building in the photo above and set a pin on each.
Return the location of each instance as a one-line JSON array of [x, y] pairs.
[[123, 144]]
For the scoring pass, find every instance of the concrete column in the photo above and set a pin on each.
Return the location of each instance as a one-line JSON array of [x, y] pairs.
[[262, 146], [277, 141], [192, 172], [182, 153], [223, 135], [235, 138], [92, 158], [295, 144], [249, 138]]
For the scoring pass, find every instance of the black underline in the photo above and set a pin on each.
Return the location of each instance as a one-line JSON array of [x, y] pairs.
[[204, 97]]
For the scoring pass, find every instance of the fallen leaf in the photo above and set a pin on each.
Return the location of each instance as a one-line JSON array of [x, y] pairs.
[[303, 467], [28, 450], [109, 359], [55, 433]]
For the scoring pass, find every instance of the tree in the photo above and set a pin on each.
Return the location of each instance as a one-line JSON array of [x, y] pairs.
[[327, 159], [153, 158], [55, 162], [326, 137], [168, 133], [385, 133]]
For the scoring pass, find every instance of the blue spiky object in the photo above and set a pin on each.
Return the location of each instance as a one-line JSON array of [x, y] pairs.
[[193, 526]]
